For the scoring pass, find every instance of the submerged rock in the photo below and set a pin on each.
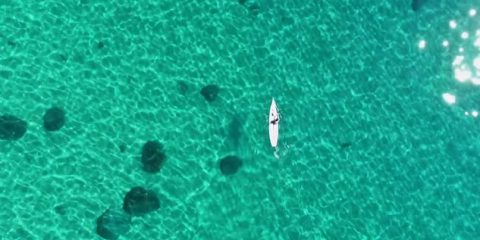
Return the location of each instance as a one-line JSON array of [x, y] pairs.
[[417, 4], [54, 119], [210, 92], [229, 165], [113, 223], [12, 128], [140, 201], [122, 147], [153, 156]]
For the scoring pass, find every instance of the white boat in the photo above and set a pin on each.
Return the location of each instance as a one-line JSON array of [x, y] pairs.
[[273, 124]]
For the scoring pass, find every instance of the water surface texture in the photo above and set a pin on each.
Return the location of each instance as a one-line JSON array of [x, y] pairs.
[[378, 129]]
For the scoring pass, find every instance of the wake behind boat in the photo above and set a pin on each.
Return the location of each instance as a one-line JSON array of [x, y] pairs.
[[273, 124]]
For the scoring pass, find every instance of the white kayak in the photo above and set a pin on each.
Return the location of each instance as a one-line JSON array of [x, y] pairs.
[[273, 124]]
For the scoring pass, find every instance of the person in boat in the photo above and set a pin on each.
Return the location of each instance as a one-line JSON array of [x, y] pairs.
[[274, 121]]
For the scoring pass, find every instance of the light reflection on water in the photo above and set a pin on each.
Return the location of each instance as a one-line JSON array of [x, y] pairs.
[[464, 41]]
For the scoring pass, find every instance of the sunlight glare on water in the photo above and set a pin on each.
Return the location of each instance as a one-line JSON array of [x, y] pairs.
[[449, 98], [422, 44], [466, 65], [472, 12]]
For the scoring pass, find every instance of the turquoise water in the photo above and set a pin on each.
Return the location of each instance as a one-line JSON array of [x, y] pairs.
[[368, 147]]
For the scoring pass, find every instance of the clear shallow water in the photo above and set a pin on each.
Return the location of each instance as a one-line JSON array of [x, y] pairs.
[[344, 74]]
